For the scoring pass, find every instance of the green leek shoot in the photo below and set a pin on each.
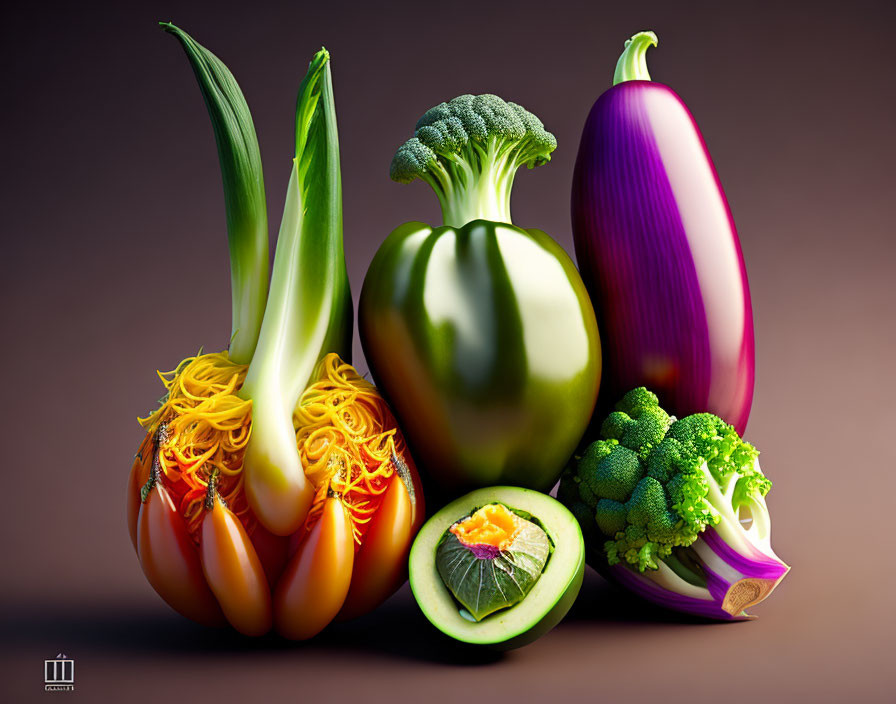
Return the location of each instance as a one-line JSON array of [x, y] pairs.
[[308, 311], [244, 198]]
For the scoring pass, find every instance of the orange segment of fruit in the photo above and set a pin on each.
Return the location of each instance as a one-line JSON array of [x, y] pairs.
[[170, 560], [381, 562], [234, 572], [316, 581]]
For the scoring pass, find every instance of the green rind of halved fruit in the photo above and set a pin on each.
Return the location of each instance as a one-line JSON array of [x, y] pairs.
[[544, 605]]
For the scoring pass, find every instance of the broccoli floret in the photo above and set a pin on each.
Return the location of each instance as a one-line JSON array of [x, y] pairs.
[[680, 473], [610, 470], [647, 508], [412, 158], [638, 422], [637, 401], [468, 150], [729, 458], [610, 516], [651, 482]]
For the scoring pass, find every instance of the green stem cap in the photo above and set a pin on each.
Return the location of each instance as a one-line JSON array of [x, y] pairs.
[[632, 65]]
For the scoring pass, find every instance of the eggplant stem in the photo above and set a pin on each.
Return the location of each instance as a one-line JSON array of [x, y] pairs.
[[632, 64]]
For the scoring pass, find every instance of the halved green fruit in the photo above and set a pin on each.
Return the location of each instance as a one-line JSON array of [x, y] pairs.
[[545, 604]]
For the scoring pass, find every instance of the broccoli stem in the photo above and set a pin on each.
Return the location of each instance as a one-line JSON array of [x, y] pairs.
[[475, 184], [685, 563], [468, 150], [747, 542], [632, 65]]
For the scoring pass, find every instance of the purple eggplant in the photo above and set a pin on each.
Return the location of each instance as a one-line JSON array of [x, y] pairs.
[[659, 253]]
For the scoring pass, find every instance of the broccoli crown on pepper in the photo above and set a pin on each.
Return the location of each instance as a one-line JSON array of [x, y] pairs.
[[469, 123], [468, 150], [646, 483]]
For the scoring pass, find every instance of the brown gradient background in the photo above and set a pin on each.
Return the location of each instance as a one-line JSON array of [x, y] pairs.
[[114, 264]]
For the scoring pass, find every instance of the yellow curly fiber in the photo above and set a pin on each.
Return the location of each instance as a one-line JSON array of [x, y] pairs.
[[346, 437], [207, 427]]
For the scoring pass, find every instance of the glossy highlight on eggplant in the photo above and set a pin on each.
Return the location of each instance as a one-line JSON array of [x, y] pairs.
[[658, 250]]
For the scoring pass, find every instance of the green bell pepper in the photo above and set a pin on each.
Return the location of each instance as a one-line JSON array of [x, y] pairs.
[[480, 333]]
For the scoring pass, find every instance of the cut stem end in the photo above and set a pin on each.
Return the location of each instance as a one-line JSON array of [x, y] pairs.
[[748, 592]]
